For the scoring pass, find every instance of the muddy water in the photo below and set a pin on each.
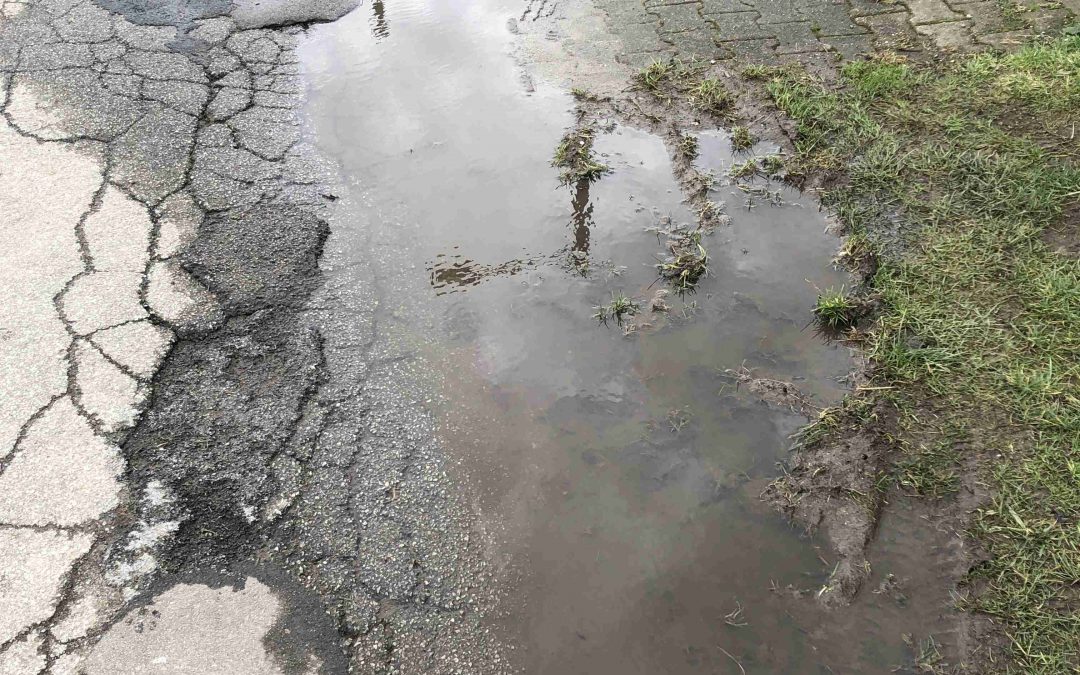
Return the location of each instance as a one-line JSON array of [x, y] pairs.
[[619, 474]]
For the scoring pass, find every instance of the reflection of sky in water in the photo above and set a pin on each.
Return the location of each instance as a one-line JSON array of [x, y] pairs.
[[638, 537]]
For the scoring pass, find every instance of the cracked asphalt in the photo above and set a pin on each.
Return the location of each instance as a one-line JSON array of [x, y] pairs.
[[262, 493]]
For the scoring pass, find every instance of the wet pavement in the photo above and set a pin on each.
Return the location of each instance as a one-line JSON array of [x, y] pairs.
[[301, 348]]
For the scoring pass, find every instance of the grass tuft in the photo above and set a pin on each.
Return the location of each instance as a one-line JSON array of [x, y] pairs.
[[688, 146], [619, 308], [836, 310], [744, 169], [758, 71], [741, 138], [686, 263], [574, 156], [711, 96]]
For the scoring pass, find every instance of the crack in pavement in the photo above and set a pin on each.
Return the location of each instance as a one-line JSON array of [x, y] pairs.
[[191, 405]]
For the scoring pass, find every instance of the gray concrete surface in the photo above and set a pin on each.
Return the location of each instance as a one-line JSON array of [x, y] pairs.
[[181, 393]]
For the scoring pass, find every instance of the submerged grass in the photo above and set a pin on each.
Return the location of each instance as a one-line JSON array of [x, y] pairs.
[[687, 261], [574, 157], [949, 175], [619, 309]]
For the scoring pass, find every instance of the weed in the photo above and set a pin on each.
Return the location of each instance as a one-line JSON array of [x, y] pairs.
[[773, 165], [744, 169], [653, 75], [688, 146], [758, 71], [660, 75], [678, 418], [687, 262], [1013, 15], [836, 310], [931, 471], [878, 77], [742, 139], [575, 157], [618, 309], [584, 95], [927, 654], [711, 96], [853, 409]]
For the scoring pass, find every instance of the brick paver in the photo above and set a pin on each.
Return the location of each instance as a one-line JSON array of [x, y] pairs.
[[767, 30]]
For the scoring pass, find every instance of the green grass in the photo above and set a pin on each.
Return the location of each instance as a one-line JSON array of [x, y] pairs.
[[575, 158], [618, 309], [772, 165], [671, 78], [673, 73], [655, 74], [930, 471], [1013, 14], [686, 263], [949, 175], [744, 169], [741, 138], [757, 71], [711, 96], [836, 310]]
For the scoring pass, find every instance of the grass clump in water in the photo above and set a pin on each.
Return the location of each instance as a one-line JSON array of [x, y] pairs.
[[836, 310], [574, 156], [744, 169], [619, 308], [952, 174], [772, 165], [741, 138], [686, 263]]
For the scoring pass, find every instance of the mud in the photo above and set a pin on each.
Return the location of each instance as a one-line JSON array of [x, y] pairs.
[[833, 488]]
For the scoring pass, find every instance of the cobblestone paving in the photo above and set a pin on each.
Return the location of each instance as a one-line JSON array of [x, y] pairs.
[[772, 30]]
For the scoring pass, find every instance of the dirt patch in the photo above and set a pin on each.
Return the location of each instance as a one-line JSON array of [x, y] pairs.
[[832, 487], [1064, 239]]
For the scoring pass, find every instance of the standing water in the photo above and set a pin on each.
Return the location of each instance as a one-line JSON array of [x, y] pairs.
[[620, 473]]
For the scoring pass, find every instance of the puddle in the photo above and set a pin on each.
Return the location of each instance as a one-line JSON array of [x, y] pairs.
[[621, 473]]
